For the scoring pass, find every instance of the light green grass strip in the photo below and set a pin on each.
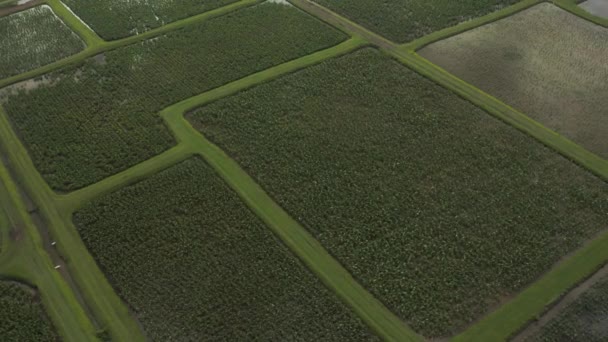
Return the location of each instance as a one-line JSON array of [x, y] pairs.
[[83, 31], [30, 262], [309, 250], [99, 47], [572, 7], [564, 146], [468, 25], [73, 201], [511, 317], [103, 301]]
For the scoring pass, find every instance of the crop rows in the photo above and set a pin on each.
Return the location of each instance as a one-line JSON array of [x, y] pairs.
[[433, 205], [195, 264], [33, 38], [586, 319], [114, 19], [556, 76], [22, 317], [93, 120], [405, 20]]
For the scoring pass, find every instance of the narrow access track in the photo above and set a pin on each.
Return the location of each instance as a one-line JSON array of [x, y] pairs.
[[30, 263], [530, 303]]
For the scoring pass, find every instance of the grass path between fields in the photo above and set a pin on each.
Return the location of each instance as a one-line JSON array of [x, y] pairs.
[[530, 303], [191, 142], [26, 260], [96, 45], [112, 312]]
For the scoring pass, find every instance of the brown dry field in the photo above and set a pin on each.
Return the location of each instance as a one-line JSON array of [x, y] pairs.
[[544, 61]]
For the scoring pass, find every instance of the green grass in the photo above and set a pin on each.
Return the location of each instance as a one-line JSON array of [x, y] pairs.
[[586, 319], [194, 263], [535, 73], [30, 261], [98, 119], [33, 38], [344, 147], [25, 259], [406, 20], [22, 317], [114, 19]]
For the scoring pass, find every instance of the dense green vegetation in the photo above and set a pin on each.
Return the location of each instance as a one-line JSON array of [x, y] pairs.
[[113, 19], [586, 319], [536, 73], [102, 117], [417, 192], [22, 317], [195, 264], [406, 20], [33, 38]]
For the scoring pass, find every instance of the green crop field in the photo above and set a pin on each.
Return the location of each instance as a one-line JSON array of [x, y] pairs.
[[303, 170], [586, 319], [33, 38], [90, 121], [344, 147], [556, 75], [195, 264], [113, 19], [406, 20], [22, 317]]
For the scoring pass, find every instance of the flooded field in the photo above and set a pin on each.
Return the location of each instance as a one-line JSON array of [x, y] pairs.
[[556, 75], [596, 7]]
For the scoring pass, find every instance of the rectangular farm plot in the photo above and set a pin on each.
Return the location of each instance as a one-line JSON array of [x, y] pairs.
[[585, 319], [114, 19], [195, 264], [436, 207], [544, 61], [33, 38], [87, 122], [405, 20], [22, 316]]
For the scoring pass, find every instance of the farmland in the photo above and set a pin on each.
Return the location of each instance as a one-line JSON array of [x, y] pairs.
[[555, 76], [22, 317], [33, 38], [343, 147], [586, 319], [596, 7], [89, 121], [406, 20], [192, 260], [137, 16]]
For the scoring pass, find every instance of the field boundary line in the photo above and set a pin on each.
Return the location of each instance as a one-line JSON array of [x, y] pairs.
[[300, 242], [104, 46], [70, 202], [514, 315], [448, 32], [89, 36], [380, 319], [105, 304], [530, 304], [575, 9], [32, 263]]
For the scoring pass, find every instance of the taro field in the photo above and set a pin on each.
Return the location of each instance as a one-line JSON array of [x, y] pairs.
[[556, 76], [137, 16], [86, 122], [405, 20], [344, 146], [195, 264], [586, 319], [22, 317], [34, 38]]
